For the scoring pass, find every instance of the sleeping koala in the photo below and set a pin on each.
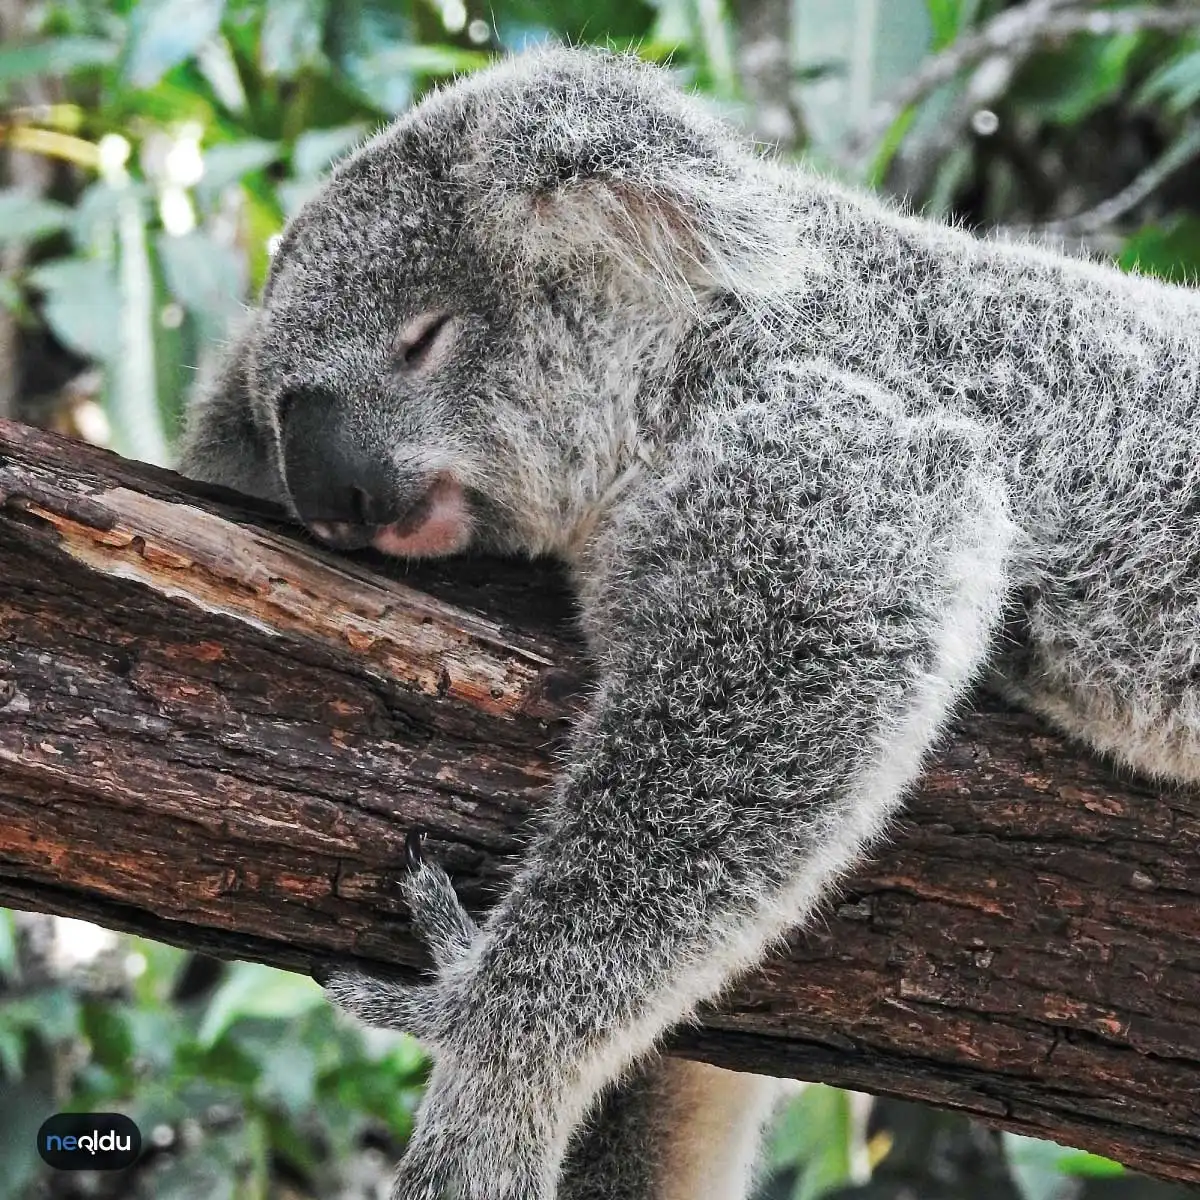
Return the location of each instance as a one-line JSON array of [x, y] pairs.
[[800, 452]]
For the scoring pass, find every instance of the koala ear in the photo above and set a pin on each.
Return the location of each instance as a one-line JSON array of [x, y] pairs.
[[222, 441], [600, 160]]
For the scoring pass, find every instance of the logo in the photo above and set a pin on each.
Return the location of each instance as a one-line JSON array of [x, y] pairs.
[[89, 1141]]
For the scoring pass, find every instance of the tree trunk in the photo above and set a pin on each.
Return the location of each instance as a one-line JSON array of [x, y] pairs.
[[216, 734]]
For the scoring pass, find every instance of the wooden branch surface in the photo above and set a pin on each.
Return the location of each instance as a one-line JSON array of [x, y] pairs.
[[215, 734]]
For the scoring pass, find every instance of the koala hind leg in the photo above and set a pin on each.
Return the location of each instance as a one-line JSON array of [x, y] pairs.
[[672, 1130]]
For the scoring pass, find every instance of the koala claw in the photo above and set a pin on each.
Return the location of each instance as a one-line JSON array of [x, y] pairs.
[[414, 849], [438, 917], [441, 922]]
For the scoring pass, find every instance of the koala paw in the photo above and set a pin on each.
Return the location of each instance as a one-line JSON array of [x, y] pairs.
[[438, 916], [441, 922]]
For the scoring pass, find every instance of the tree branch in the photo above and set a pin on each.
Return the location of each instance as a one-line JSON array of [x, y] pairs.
[[1106, 214], [767, 72], [1006, 41], [217, 735]]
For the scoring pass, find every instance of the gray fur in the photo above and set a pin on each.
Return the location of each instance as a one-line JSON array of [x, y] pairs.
[[806, 457]]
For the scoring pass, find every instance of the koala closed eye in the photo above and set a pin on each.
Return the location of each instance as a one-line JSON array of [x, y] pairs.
[[424, 342]]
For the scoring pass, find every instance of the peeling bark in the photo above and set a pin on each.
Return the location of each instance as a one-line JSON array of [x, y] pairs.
[[217, 735]]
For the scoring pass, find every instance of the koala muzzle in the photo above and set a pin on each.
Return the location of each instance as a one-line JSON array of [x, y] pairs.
[[348, 490], [342, 489]]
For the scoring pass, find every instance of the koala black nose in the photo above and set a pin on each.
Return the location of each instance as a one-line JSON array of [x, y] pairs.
[[343, 488]]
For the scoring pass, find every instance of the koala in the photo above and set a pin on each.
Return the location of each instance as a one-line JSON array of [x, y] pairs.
[[815, 466]]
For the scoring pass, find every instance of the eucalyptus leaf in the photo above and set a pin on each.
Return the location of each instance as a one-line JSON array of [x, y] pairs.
[[81, 304], [291, 35], [315, 150], [58, 57], [53, 1012], [1170, 250], [1036, 1167], [252, 990], [945, 16], [94, 217], [813, 1136], [9, 965], [1073, 81], [414, 58], [12, 1053], [219, 68], [25, 217], [132, 383], [205, 276], [229, 162], [13, 302], [1178, 83], [163, 33], [289, 1077]]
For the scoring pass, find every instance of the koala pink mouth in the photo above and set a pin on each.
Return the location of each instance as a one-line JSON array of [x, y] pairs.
[[437, 525]]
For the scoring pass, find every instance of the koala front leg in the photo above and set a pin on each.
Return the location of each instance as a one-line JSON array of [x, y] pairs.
[[671, 1129], [782, 621]]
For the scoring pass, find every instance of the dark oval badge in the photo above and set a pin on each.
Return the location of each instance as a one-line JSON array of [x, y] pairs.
[[89, 1141]]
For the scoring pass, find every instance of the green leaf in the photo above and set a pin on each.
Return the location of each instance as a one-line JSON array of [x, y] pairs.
[[888, 147], [814, 1136], [12, 1053], [291, 35], [316, 149], [876, 45], [1066, 85], [53, 1013], [163, 33], [1177, 83], [11, 299], [58, 57], [1169, 251], [945, 17], [1081, 1165], [230, 162], [154, 1036], [220, 70], [289, 1077], [94, 218], [713, 41], [293, 196], [132, 381], [10, 967], [155, 984], [27, 218], [387, 78], [206, 277], [109, 1033], [1040, 1168], [81, 304], [252, 990]]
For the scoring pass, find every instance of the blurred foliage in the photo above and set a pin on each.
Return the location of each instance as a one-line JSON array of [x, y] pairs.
[[243, 1080], [156, 148]]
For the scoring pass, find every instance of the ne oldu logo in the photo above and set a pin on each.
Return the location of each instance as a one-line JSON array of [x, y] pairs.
[[89, 1141]]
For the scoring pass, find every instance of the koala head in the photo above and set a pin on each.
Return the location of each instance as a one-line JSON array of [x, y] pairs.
[[462, 334]]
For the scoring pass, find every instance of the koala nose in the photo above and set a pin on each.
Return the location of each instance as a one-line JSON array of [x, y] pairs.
[[342, 489]]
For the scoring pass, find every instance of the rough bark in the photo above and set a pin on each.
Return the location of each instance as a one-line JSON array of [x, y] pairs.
[[215, 734]]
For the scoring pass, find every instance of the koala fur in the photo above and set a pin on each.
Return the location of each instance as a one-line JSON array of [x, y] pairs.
[[815, 466]]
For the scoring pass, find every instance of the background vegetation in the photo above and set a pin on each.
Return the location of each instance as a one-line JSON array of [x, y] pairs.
[[151, 150]]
